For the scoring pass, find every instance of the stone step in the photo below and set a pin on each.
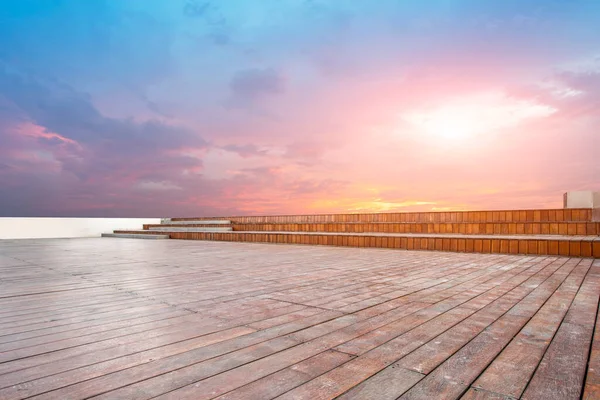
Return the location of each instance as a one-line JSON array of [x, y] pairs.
[[189, 229], [536, 215], [575, 246], [134, 236]]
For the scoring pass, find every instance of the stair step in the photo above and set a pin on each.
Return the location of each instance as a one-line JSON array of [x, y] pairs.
[[575, 246], [134, 236], [174, 225], [168, 221], [189, 229], [475, 228]]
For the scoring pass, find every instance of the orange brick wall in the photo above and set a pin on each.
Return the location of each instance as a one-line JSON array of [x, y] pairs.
[[554, 215]]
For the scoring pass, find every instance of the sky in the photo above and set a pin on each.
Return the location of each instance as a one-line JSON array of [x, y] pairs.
[[166, 108]]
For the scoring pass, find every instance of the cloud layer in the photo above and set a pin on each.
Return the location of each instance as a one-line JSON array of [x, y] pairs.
[[185, 107]]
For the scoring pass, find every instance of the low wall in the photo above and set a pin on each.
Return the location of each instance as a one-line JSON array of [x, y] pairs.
[[38, 228]]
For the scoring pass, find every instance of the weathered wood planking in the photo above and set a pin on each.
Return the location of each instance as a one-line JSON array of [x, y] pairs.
[[126, 319]]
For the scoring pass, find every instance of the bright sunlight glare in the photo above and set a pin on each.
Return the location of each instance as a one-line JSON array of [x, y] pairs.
[[468, 117]]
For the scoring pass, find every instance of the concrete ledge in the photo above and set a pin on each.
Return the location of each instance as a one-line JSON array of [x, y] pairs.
[[168, 221], [183, 229], [133, 236]]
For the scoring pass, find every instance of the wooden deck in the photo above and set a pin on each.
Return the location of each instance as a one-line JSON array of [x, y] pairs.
[[135, 319]]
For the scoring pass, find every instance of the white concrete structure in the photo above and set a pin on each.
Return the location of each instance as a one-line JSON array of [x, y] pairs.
[[38, 228], [582, 199]]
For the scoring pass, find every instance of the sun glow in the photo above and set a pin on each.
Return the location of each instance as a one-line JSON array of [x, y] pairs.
[[447, 123], [467, 117]]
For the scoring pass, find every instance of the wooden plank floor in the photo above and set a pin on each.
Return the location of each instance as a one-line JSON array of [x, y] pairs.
[[135, 319]]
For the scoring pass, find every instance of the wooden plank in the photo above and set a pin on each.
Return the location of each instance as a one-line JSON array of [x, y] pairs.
[[561, 372], [510, 372], [453, 377], [384, 385], [432, 354], [122, 356], [282, 381], [480, 394], [592, 382], [349, 375], [97, 378]]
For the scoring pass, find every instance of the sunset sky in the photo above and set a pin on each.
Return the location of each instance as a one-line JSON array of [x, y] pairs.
[[194, 108]]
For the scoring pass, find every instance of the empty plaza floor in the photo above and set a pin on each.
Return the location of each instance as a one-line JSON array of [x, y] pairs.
[[169, 319]]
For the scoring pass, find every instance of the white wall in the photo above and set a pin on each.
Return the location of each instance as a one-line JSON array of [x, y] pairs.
[[34, 228], [582, 199]]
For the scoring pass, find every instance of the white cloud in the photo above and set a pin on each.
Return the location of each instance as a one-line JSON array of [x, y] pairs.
[[560, 90]]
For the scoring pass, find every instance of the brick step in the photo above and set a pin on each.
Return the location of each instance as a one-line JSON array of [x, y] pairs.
[[547, 215], [575, 246]]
